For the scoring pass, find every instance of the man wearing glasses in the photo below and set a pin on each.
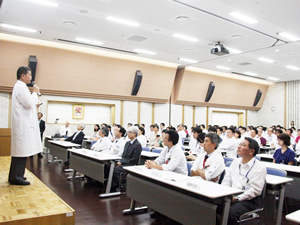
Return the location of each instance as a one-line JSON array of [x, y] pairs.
[[247, 174]]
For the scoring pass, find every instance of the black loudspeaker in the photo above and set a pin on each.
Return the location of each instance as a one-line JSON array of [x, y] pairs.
[[137, 82], [257, 98], [210, 91], [32, 63]]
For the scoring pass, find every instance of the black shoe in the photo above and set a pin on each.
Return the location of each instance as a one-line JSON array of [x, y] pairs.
[[40, 155], [23, 182], [24, 178]]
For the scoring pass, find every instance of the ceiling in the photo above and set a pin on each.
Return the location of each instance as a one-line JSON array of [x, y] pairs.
[[207, 21]]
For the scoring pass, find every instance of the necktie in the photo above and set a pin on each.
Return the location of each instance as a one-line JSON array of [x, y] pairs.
[[206, 157]]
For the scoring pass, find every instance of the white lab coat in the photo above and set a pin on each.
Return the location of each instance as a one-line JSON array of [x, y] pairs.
[[25, 131]]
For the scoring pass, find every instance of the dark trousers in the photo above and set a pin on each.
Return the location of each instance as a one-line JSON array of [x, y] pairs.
[[17, 169], [116, 176], [239, 208]]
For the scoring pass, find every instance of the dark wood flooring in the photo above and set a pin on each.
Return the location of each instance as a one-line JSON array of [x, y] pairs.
[[83, 196]]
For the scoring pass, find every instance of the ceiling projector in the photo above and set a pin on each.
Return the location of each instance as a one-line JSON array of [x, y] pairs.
[[219, 50]]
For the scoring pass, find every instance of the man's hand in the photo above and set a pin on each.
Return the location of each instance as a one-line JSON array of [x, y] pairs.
[[118, 164], [36, 89]]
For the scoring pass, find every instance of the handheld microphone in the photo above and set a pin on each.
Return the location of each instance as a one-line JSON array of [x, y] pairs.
[[34, 85]]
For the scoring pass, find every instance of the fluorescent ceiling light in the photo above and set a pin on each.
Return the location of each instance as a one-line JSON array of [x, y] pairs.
[[273, 78], [89, 41], [289, 36], [187, 60], [143, 51], [232, 50], [47, 3], [17, 28], [265, 60], [292, 67], [250, 74], [243, 18], [223, 68], [122, 21], [187, 38]]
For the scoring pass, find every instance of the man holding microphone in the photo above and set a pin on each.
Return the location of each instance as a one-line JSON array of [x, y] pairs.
[[25, 135]]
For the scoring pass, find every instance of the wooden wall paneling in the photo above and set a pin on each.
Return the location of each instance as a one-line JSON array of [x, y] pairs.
[[5, 140]]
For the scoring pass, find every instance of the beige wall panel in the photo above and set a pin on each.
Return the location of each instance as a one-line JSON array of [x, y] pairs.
[[192, 89], [64, 72]]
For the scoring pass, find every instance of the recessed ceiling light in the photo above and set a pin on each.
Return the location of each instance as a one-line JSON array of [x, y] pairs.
[[292, 67], [223, 68], [232, 50], [277, 50], [243, 18], [237, 36], [188, 60], [273, 78], [122, 21], [182, 19], [17, 28], [266, 60], [89, 41], [289, 36], [83, 11], [250, 74], [144, 51], [47, 3], [185, 37], [229, 60]]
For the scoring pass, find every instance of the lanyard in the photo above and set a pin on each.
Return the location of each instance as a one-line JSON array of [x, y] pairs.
[[247, 172]]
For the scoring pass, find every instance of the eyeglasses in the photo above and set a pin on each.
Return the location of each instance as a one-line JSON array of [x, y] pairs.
[[243, 145]]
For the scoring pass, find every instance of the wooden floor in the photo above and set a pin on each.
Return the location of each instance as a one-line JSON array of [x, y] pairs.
[[32, 204], [90, 209]]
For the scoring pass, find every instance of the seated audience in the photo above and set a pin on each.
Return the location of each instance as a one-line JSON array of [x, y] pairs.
[[202, 127], [292, 139], [254, 135], [153, 134], [117, 147], [78, 136], [238, 136], [130, 157], [230, 144], [142, 138], [103, 144], [194, 143], [224, 133], [270, 137], [181, 131], [159, 142], [284, 155], [65, 131], [96, 133], [247, 174], [172, 157], [209, 165], [244, 132], [194, 153], [263, 141]]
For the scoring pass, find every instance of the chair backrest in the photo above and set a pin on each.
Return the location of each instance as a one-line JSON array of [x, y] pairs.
[[146, 149], [276, 172], [189, 167], [221, 177], [228, 163], [156, 150], [295, 162], [257, 157], [226, 159]]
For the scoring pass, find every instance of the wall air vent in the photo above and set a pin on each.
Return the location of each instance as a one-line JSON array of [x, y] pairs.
[[137, 38]]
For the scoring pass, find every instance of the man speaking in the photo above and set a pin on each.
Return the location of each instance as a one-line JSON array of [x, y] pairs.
[[25, 136]]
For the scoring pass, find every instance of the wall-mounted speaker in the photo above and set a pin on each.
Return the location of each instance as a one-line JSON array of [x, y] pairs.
[[32, 64], [210, 91], [137, 82], [257, 97]]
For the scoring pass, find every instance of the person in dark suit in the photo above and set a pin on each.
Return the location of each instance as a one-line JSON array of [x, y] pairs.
[[42, 129], [78, 136], [131, 155]]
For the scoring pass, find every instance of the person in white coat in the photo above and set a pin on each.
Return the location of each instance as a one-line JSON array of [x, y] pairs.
[[25, 133]]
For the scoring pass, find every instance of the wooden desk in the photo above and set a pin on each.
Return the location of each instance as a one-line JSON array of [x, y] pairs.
[[294, 217], [59, 149], [92, 164], [33, 204], [180, 194]]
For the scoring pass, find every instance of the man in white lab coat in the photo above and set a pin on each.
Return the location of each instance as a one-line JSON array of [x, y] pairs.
[[25, 135]]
